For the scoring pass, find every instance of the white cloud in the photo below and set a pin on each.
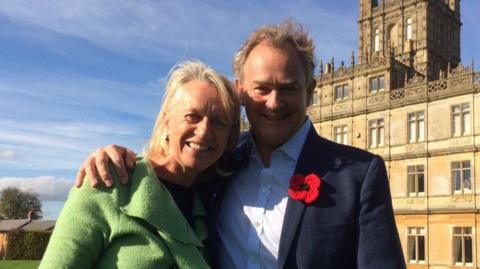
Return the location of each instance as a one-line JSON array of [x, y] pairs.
[[8, 154], [49, 188]]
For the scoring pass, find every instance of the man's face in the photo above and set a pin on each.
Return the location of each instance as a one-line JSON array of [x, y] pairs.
[[274, 93]]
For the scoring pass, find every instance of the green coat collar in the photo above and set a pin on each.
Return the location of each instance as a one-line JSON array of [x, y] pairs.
[[149, 199]]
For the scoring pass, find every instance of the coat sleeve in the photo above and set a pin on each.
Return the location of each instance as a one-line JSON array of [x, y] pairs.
[[81, 231], [379, 243]]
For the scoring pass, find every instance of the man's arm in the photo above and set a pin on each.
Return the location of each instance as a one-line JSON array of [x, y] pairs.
[[379, 243], [97, 165]]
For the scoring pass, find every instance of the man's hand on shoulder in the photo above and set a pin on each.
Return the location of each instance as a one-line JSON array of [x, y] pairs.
[[121, 158]]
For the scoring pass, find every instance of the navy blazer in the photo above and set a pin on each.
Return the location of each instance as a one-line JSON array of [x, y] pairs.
[[350, 225]]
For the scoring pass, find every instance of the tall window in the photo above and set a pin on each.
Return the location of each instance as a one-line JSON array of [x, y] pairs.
[[461, 120], [462, 245], [341, 92], [416, 127], [416, 245], [341, 134], [376, 133], [461, 177], [416, 180], [376, 41], [377, 84], [409, 29]]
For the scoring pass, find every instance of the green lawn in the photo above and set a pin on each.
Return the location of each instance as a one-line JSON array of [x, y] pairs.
[[19, 264]]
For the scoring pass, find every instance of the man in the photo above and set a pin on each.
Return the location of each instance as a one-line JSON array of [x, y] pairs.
[[348, 223]]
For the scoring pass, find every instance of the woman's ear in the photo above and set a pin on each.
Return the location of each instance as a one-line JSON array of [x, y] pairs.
[[165, 119]]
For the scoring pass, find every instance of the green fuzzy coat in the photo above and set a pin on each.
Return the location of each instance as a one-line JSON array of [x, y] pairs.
[[136, 225]]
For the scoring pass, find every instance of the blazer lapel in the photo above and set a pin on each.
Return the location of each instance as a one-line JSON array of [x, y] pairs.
[[294, 212]]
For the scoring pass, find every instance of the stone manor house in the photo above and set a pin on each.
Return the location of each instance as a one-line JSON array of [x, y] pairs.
[[407, 97]]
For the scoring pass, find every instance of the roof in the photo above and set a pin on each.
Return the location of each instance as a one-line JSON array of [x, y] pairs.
[[12, 224], [39, 225]]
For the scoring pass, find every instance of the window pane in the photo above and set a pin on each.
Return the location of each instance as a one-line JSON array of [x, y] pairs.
[[420, 183], [411, 132], [381, 138], [420, 168], [468, 249], [345, 91], [456, 180], [456, 165], [456, 109], [373, 137], [411, 183], [421, 248], [411, 249], [373, 85], [421, 133], [456, 125], [457, 249], [466, 123], [338, 92], [377, 40], [381, 83]]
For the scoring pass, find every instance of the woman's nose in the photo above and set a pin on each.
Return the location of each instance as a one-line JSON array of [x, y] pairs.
[[203, 128]]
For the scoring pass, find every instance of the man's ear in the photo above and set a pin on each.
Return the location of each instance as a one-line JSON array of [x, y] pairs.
[[240, 90], [310, 89]]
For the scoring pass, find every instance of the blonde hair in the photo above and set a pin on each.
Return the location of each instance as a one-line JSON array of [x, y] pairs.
[[287, 32], [181, 74]]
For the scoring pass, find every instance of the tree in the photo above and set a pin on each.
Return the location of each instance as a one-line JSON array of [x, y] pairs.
[[16, 204]]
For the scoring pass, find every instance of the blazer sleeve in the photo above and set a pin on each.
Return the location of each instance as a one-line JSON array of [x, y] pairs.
[[81, 231], [379, 243]]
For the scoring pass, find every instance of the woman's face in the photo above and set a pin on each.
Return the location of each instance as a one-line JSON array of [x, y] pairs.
[[197, 125]]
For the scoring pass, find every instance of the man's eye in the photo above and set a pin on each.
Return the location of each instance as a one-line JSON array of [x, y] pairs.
[[261, 89], [290, 90]]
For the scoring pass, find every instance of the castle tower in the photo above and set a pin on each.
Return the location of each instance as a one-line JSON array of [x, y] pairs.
[[422, 34]]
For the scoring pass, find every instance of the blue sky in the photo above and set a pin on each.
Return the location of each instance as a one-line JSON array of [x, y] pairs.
[[76, 75]]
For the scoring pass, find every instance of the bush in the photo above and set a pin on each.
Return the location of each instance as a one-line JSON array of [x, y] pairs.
[[26, 245]]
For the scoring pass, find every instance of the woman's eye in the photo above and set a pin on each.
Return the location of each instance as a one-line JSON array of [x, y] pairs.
[[192, 117], [220, 122]]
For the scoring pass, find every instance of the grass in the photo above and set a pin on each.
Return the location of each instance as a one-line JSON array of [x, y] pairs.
[[19, 264]]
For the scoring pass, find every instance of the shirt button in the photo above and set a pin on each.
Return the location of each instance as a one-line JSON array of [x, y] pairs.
[[256, 223], [265, 189]]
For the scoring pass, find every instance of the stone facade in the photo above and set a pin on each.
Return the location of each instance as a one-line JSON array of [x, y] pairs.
[[410, 100]]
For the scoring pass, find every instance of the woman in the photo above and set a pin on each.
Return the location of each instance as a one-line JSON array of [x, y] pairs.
[[156, 220]]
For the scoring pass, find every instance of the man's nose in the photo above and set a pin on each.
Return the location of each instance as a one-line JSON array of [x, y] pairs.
[[274, 100]]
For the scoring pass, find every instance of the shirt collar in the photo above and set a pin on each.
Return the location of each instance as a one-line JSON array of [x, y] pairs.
[[292, 147]]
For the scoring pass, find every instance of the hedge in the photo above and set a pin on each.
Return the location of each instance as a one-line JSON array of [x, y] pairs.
[[26, 245]]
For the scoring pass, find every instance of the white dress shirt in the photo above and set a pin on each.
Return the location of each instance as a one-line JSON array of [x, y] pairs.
[[250, 219]]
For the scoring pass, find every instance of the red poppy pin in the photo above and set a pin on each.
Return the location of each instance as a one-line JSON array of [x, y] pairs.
[[305, 188]]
